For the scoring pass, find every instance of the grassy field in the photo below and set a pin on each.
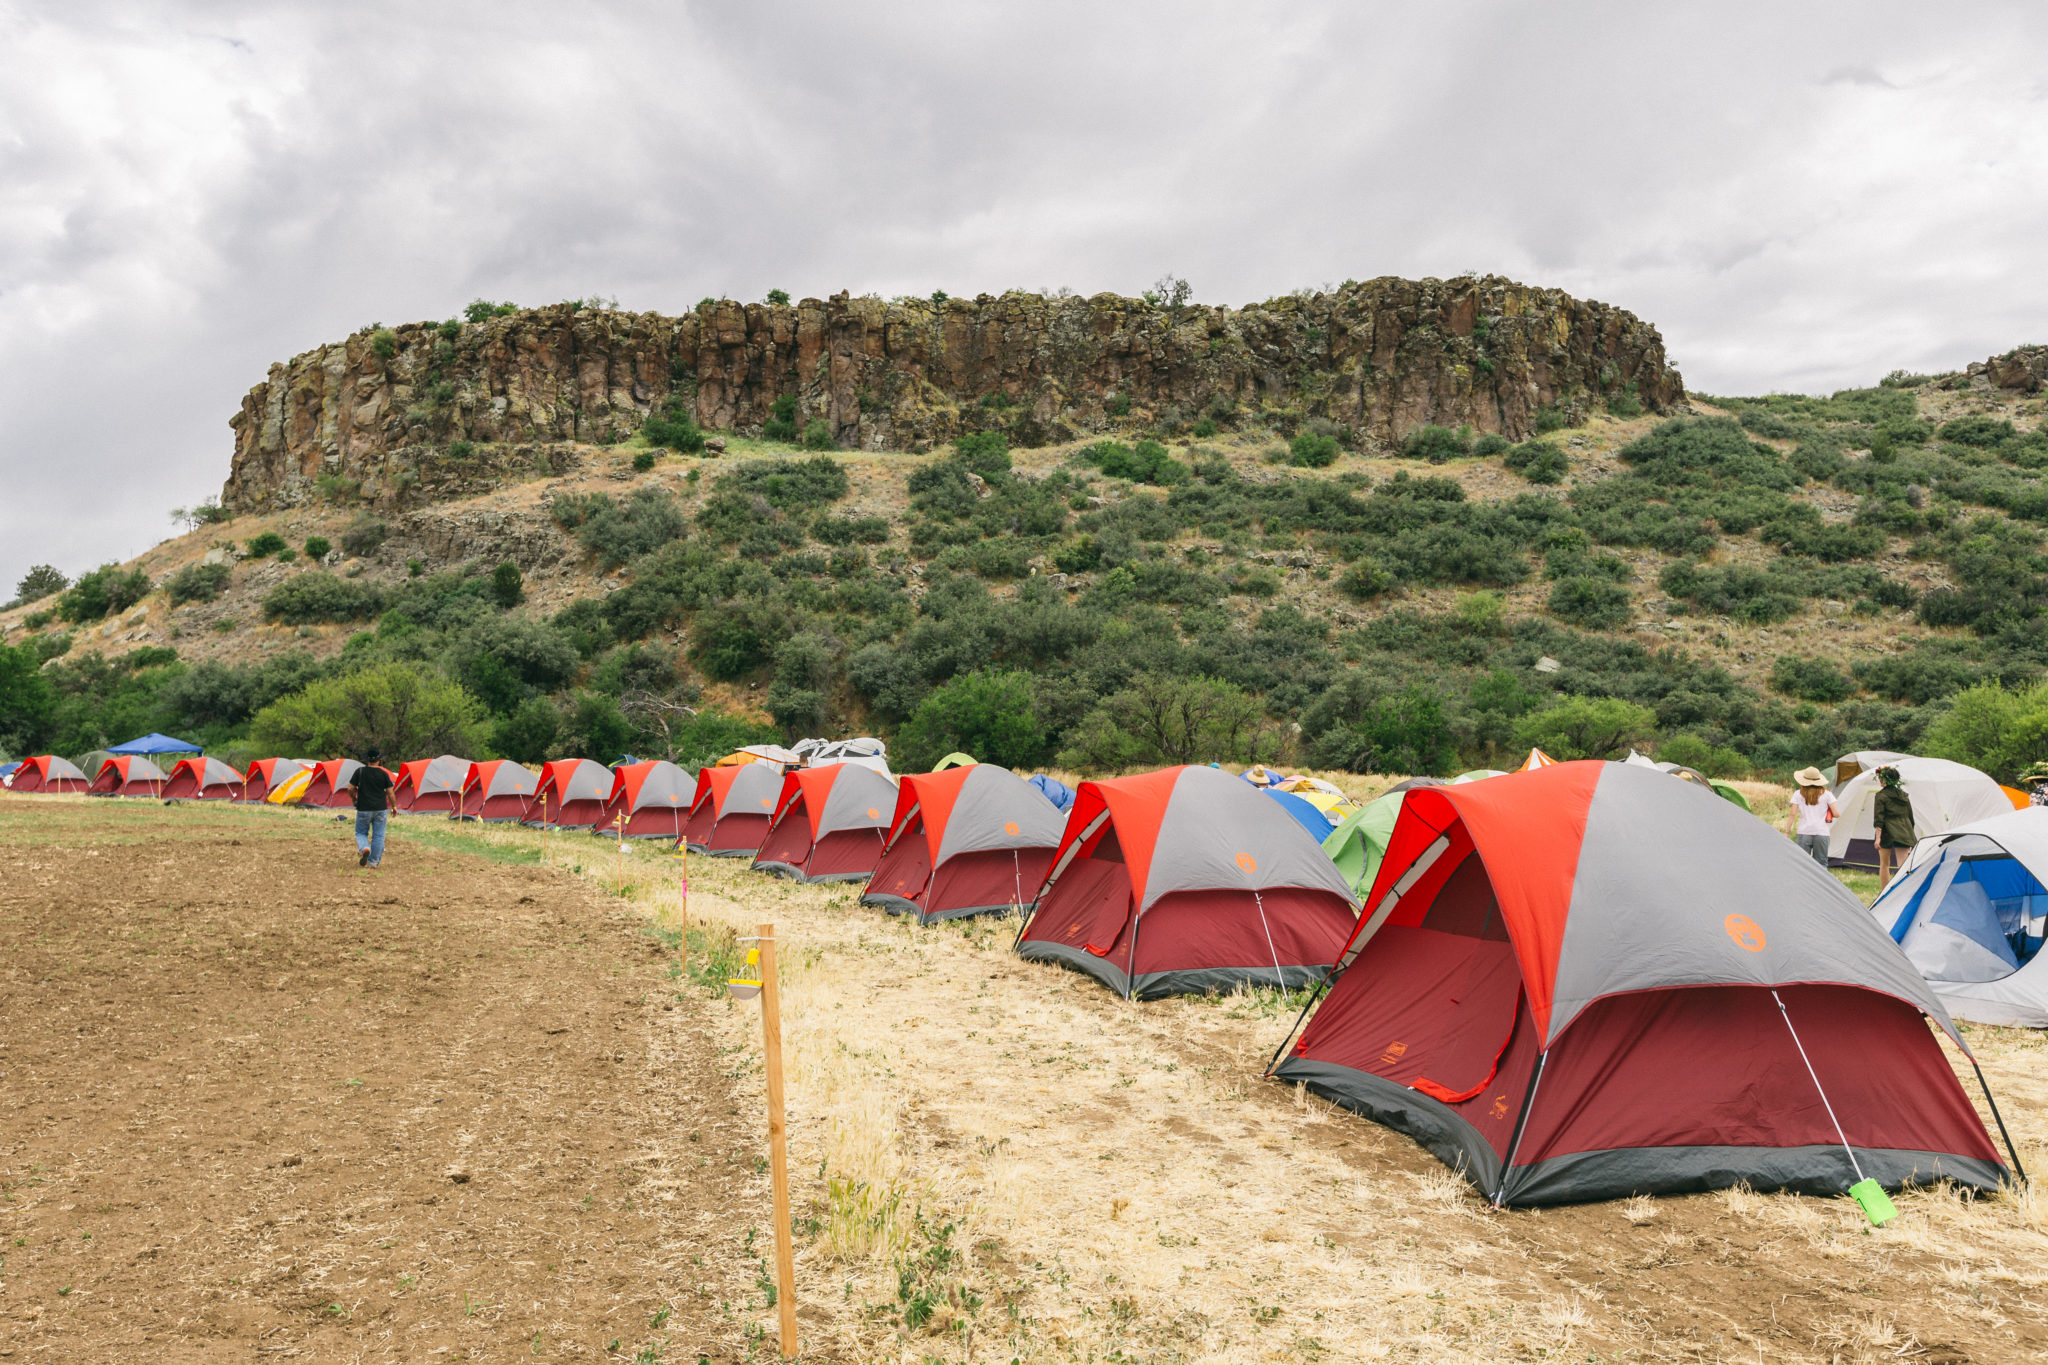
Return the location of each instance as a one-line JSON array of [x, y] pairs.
[[995, 1160]]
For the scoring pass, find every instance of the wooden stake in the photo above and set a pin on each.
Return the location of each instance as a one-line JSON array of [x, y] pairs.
[[778, 1143]]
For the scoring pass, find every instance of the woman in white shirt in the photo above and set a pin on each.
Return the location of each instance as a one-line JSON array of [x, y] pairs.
[[1813, 806]]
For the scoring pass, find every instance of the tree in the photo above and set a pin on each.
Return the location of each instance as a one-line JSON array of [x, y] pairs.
[[27, 702], [528, 734], [1588, 727], [2002, 731], [507, 585], [987, 714], [399, 709], [39, 583], [1159, 721]]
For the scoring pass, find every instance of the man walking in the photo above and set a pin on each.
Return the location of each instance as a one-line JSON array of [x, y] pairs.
[[371, 787]]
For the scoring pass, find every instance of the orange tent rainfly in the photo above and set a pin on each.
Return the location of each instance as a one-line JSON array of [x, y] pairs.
[[970, 840], [732, 809], [430, 786], [1188, 880], [266, 775], [1590, 981], [49, 773], [573, 792], [1536, 759], [652, 797], [496, 791], [203, 779], [830, 825], [129, 775]]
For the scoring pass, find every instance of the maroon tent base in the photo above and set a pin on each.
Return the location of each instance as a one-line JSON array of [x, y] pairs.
[[847, 855], [996, 881], [578, 814], [738, 835], [1193, 942]]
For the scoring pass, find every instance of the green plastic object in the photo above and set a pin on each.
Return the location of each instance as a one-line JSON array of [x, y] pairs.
[[1875, 1203], [1357, 845]]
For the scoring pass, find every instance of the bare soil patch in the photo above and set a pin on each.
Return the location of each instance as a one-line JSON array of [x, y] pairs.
[[259, 1103]]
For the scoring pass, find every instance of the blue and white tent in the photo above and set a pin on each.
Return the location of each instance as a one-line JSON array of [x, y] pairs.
[[1970, 909]]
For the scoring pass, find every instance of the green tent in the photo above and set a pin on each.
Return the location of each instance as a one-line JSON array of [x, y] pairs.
[[1728, 793], [1357, 845], [956, 759]]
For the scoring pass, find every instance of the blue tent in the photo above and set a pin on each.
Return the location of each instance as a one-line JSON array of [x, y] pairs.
[[1305, 815], [155, 744], [1053, 790]]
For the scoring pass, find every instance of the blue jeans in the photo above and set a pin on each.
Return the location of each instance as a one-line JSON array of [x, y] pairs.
[[1814, 846], [370, 833]]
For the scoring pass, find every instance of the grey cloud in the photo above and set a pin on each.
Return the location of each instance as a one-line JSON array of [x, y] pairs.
[[190, 192]]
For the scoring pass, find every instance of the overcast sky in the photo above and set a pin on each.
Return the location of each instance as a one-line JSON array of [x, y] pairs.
[[1800, 197]]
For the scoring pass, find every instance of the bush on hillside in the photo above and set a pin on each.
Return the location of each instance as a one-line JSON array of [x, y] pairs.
[[1810, 679], [1355, 728], [2002, 731], [310, 598], [1538, 462], [1587, 727], [38, 583], [198, 583], [107, 589], [397, 708], [781, 423], [318, 547], [987, 713], [615, 532], [1703, 756], [1590, 603], [1146, 462], [1437, 444], [364, 535], [1162, 721], [818, 435], [1313, 450]]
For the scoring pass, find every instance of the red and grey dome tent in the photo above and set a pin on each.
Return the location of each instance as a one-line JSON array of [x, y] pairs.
[[203, 779], [265, 775], [573, 793], [970, 840], [129, 775], [830, 825], [1188, 880], [494, 791], [49, 773], [732, 809], [329, 786], [430, 786], [653, 797], [1587, 981]]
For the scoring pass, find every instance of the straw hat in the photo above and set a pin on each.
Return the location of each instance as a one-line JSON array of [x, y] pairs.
[[1810, 777], [2037, 773]]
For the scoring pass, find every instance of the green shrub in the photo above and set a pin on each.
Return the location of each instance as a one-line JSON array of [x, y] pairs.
[[1157, 721], [482, 310], [1362, 727], [384, 342], [643, 460], [287, 555], [1587, 727], [1255, 583], [1204, 428], [1312, 450], [1626, 403], [1079, 555], [851, 530], [1592, 603], [674, 427], [461, 450], [616, 533], [508, 586], [107, 589], [1437, 444], [1146, 462], [781, 423], [1548, 419], [38, 583], [1538, 462], [450, 329], [728, 643], [1704, 756], [318, 547], [1366, 579], [778, 297], [2002, 731], [1979, 431], [198, 583], [818, 435], [308, 598], [1810, 679], [1492, 443], [1117, 405], [399, 708], [265, 545], [988, 714]]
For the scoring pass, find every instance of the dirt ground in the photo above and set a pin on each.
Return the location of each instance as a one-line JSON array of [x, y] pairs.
[[257, 1103], [242, 1078]]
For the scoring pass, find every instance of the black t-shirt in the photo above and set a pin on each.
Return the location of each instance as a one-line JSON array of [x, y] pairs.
[[370, 784]]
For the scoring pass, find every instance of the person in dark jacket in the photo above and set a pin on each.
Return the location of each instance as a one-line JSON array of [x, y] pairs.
[[371, 786], [1894, 818]]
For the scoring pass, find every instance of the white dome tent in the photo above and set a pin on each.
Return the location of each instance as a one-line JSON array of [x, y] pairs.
[[1849, 766], [1970, 908], [1945, 796]]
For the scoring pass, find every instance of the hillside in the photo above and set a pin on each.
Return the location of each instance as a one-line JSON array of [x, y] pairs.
[[1745, 584]]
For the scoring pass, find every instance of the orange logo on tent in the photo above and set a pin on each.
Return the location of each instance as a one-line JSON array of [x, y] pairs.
[[1745, 931], [1500, 1107], [1247, 864], [874, 814], [767, 801], [1395, 1051], [1010, 828]]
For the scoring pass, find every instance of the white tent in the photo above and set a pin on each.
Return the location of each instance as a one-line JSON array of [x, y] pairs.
[[1849, 766], [1969, 909], [864, 751], [1945, 796]]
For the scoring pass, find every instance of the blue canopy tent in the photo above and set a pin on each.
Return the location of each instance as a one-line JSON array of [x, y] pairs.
[[156, 744], [1305, 815]]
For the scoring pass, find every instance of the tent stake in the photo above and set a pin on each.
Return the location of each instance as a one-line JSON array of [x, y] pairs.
[[1322, 988], [2018, 1169]]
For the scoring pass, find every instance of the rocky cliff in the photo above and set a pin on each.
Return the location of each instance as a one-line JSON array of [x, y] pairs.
[[430, 410]]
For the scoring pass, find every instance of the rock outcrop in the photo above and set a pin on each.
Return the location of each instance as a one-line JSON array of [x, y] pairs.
[[2024, 368], [426, 411]]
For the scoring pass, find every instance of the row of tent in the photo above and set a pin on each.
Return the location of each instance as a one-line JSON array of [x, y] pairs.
[[1578, 981]]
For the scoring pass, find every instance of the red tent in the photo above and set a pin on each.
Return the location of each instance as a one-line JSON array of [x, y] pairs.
[[1188, 880], [495, 791], [732, 809], [49, 773], [653, 797], [969, 840], [329, 786], [129, 775], [267, 774], [203, 779], [830, 824], [573, 792], [430, 785], [1586, 981]]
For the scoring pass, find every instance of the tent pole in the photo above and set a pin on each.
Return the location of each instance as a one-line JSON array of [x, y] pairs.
[[1507, 1167], [2010, 1151], [1322, 988]]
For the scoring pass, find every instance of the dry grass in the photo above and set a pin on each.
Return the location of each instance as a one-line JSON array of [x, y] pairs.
[[998, 1160]]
